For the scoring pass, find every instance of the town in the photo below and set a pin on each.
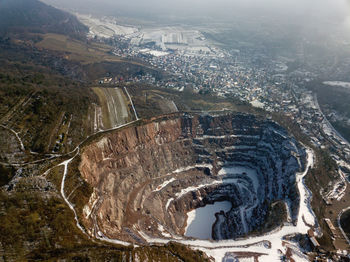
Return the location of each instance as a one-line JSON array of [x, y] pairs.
[[251, 76]]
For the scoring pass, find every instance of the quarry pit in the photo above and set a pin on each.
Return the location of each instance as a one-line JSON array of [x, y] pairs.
[[148, 178]]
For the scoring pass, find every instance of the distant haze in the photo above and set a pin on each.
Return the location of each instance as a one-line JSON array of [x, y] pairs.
[[319, 13], [224, 8]]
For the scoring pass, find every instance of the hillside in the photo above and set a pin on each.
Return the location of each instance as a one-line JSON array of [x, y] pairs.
[[19, 16], [47, 107], [91, 155]]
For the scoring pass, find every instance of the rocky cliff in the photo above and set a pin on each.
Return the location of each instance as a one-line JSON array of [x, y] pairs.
[[147, 177]]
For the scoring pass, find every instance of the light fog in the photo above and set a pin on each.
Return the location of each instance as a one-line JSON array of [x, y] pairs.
[[220, 9], [317, 19]]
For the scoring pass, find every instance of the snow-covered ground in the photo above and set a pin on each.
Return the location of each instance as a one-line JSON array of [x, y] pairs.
[[277, 246], [225, 180], [338, 186], [189, 42], [237, 170], [337, 83], [187, 168], [174, 106], [200, 220], [153, 52], [226, 136], [160, 187], [132, 104], [65, 165], [257, 103], [176, 38], [163, 232], [271, 245], [99, 235], [105, 27]]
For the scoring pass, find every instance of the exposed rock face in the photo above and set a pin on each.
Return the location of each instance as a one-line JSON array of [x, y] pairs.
[[146, 178]]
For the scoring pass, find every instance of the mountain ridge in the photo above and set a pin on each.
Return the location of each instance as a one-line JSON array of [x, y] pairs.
[[33, 16]]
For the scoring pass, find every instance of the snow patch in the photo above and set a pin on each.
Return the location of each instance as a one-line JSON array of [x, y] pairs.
[[240, 170], [153, 52], [201, 220], [337, 83], [271, 251], [160, 187], [132, 104], [163, 232]]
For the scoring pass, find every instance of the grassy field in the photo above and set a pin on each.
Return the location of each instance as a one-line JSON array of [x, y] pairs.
[[152, 101], [84, 52], [77, 50]]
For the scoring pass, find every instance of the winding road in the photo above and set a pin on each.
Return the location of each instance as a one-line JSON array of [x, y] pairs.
[[270, 247]]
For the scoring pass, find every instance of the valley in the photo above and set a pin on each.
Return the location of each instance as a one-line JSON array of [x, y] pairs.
[[145, 216], [122, 141]]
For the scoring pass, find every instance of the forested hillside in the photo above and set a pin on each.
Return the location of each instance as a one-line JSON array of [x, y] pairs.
[[34, 16]]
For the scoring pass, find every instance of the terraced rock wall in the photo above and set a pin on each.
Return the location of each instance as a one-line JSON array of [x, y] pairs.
[[146, 178]]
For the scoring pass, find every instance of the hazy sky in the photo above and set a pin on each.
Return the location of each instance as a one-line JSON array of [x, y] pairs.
[[299, 10], [208, 6]]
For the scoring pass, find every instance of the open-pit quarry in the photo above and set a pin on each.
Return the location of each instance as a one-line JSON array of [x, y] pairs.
[[151, 180]]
